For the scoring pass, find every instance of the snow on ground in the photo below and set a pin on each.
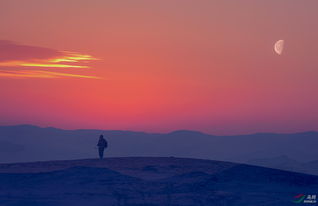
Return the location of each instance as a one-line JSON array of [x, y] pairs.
[[149, 181]]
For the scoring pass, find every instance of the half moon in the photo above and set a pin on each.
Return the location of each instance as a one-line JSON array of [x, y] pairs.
[[279, 47]]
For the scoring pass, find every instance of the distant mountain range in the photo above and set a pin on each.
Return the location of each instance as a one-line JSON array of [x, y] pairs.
[[150, 181], [23, 143], [285, 163]]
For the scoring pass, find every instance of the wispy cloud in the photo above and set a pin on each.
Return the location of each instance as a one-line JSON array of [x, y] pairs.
[[64, 60], [13, 55], [41, 74]]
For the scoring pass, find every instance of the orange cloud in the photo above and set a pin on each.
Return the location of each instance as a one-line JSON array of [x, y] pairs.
[[53, 62], [73, 57], [22, 56], [41, 74]]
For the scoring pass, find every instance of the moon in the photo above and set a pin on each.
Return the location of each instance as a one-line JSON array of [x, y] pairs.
[[279, 47]]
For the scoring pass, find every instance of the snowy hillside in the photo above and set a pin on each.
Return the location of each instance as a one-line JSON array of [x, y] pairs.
[[149, 181]]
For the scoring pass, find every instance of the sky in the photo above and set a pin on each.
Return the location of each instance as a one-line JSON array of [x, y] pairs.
[[161, 65]]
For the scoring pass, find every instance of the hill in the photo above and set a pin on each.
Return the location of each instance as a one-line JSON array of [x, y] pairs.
[[149, 181]]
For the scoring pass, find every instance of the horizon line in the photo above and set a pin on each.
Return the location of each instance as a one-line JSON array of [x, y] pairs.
[[173, 131]]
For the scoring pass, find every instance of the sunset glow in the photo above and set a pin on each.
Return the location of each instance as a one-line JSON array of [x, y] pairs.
[[160, 65]]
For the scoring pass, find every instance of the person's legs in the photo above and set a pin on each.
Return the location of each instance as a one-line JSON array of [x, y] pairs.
[[101, 152]]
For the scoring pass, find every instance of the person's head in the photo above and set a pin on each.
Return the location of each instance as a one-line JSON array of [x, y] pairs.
[[101, 136]]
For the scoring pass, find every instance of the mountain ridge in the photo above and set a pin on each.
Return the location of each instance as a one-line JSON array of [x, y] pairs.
[[162, 133], [31, 143]]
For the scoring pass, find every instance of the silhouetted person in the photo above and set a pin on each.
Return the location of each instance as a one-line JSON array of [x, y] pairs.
[[102, 144]]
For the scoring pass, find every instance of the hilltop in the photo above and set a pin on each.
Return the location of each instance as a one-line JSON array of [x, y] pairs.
[[155, 181]]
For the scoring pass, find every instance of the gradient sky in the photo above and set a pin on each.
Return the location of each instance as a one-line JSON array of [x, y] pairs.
[[160, 65]]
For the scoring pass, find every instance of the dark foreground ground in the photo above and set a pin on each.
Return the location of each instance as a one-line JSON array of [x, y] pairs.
[[149, 181]]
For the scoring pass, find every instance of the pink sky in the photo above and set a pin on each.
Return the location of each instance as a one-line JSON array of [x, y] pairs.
[[160, 65]]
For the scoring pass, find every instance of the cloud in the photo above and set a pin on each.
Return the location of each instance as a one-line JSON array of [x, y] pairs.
[[41, 74], [11, 51], [13, 55]]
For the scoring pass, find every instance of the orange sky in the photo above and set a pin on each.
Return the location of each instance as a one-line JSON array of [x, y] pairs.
[[158, 66]]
